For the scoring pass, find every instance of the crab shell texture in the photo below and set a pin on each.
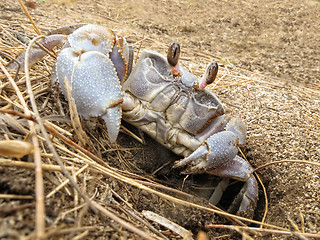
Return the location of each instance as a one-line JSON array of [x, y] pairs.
[[170, 109], [94, 60]]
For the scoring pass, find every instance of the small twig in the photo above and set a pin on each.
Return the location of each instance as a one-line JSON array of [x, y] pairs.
[[168, 224], [28, 165], [125, 224], [264, 191], [159, 186], [40, 208], [30, 18], [302, 221], [66, 181], [266, 202], [13, 196], [139, 49], [128, 209], [127, 131], [286, 161]]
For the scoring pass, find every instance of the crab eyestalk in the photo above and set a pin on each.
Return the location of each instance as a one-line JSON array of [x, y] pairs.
[[209, 75], [173, 57]]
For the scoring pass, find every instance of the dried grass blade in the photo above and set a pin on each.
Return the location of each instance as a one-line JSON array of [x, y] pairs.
[[40, 208], [30, 18], [66, 181], [75, 120], [168, 224]]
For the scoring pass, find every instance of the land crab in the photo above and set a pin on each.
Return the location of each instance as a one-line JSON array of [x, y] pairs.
[[159, 97]]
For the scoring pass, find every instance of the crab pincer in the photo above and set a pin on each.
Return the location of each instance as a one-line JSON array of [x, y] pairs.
[[93, 77]]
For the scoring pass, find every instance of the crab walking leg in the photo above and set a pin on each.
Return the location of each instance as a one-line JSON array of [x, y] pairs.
[[218, 156], [37, 53], [239, 169], [95, 86]]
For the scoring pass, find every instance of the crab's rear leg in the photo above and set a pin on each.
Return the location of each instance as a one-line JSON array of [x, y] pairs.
[[54, 38], [245, 202], [36, 53]]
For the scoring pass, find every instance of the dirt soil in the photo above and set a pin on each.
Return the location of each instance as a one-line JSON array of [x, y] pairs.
[[269, 52]]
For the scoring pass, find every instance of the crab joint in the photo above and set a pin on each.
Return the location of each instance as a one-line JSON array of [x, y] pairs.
[[173, 57]]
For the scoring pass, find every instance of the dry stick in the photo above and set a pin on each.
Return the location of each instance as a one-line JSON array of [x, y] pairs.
[[266, 202], [13, 196], [30, 18], [93, 205], [49, 167], [46, 167], [167, 224], [264, 230], [286, 161], [40, 208], [264, 190], [66, 182], [112, 173], [121, 222], [40, 223]]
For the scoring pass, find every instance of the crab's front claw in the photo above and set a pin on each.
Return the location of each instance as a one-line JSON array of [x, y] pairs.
[[214, 152], [218, 156], [95, 86]]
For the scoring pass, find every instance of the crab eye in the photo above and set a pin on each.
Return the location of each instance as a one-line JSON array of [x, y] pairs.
[[173, 54], [211, 72]]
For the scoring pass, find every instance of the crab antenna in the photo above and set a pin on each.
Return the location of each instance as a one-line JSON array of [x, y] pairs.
[[209, 75], [173, 58]]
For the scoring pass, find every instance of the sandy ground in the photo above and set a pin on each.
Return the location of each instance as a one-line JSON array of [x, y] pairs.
[[270, 52]]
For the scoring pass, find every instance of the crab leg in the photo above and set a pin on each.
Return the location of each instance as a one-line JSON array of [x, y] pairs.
[[37, 53], [218, 156], [241, 170]]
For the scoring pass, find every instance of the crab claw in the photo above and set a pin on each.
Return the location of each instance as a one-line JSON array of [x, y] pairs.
[[215, 151], [95, 86], [218, 156]]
